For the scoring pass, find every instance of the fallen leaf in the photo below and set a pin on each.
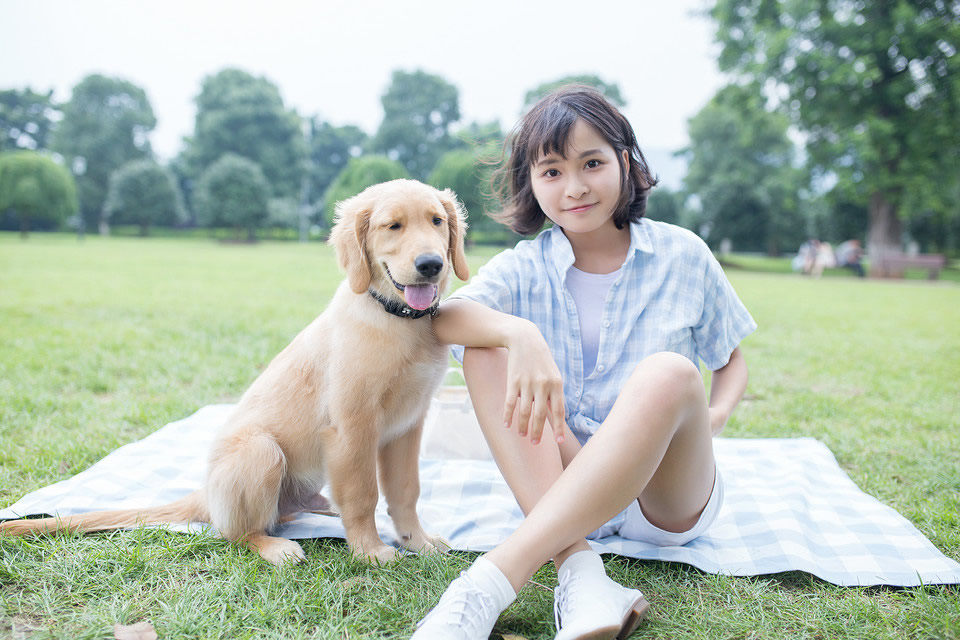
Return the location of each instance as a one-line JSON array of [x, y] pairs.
[[510, 636], [139, 631]]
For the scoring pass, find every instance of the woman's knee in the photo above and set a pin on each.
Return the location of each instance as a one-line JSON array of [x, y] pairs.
[[668, 374]]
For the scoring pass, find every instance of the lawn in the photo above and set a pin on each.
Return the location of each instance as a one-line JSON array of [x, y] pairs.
[[104, 341]]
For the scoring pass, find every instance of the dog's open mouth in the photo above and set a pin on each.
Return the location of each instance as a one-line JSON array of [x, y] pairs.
[[417, 296]]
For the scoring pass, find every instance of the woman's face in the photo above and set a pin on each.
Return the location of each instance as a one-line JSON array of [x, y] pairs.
[[579, 191]]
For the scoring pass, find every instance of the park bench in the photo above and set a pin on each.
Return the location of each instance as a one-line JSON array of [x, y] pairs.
[[892, 265]]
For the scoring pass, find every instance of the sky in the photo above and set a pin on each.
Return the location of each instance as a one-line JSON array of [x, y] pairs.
[[334, 58]]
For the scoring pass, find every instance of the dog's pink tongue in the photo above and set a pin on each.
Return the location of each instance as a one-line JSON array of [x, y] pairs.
[[420, 296]]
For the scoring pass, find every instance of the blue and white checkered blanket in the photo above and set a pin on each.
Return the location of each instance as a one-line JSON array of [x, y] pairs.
[[788, 506]]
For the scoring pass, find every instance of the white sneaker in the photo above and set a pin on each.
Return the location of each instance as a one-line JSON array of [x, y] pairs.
[[591, 607], [465, 612]]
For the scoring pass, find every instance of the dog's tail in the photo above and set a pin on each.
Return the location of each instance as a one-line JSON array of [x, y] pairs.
[[191, 508]]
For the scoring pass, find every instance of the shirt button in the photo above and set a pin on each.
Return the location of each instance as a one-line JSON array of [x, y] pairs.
[[617, 283], [600, 368], [606, 323], [578, 393]]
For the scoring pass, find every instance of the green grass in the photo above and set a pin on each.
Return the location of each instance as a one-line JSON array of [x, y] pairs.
[[104, 341]]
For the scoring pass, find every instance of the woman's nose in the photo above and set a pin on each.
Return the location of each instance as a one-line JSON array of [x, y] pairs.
[[576, 187]]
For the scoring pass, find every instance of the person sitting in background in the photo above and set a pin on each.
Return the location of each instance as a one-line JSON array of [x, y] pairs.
[[806, 254], [848, 256], [824, 259]]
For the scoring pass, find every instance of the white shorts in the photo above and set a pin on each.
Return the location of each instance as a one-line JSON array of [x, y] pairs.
[[631, 524]]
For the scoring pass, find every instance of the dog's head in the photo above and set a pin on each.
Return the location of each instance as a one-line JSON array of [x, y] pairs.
[[401, 239]]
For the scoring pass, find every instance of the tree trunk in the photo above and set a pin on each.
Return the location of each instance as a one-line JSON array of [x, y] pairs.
[[883, 236], [24, 226]]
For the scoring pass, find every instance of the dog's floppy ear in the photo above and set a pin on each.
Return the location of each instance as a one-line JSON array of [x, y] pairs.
[[457, 222], [349, 239]]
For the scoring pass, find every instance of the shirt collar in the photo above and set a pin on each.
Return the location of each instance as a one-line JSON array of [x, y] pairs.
[[562, 253]]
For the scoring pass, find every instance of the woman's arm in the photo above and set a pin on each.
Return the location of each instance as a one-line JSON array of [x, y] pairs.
[[534, 384], [726, 388]]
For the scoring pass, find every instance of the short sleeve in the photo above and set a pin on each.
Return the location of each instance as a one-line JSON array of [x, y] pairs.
[[724, 322], [493, 286]]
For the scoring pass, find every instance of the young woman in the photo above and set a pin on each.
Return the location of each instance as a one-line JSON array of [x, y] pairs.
[[581, 355]]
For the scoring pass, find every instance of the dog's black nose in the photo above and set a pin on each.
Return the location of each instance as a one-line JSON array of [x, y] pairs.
[[429, 264]]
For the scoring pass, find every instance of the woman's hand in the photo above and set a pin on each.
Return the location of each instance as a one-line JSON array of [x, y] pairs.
[[726, 388], [534, 385]]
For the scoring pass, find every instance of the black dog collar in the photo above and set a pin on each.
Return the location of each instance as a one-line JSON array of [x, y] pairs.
[[401, 310]]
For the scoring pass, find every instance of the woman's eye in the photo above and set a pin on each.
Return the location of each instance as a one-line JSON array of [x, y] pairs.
[[437, 221], [551, 173], [395, 226], [592, 164]]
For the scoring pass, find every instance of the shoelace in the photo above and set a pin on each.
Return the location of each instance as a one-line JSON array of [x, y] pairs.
[[464, 607], [563, 599]]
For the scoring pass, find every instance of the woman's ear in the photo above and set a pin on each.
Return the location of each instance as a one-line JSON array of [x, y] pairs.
[[457, 223], [349, 238]]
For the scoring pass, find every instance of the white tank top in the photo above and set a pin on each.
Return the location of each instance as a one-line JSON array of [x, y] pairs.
[[589, 291]]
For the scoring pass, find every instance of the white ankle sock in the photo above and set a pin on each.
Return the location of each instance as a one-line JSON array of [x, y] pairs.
[[584, 562], [488, 577]]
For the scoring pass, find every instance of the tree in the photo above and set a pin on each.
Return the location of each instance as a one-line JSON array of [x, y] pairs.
[[418, 110], [105, 125], [26, 119], [331, 148], [242, 114], [666, 206], [467, 173], [37, 190], [873, 85], [233, 192], [610, 90], [741, 170], [143, 193], [359, 174]]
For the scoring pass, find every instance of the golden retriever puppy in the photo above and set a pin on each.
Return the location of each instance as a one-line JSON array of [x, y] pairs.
[[344, 403]]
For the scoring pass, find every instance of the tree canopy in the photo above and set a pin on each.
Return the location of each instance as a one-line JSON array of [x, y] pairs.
[[359, 174], [105, 124], [143, 193], [874, 87], [467, 173], [609, 89], [37, 190], [331, 148], [26, 119], [418, 111], [741, 170], [233, 192], [243, 114]]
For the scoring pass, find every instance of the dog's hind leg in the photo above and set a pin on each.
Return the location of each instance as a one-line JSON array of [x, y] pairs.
[[399, 470], [244, 484]]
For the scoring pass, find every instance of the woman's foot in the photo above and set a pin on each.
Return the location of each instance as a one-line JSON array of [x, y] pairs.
[[470, 606], [590, 606]]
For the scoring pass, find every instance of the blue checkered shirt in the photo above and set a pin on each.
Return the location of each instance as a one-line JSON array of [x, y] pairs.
[[672, 295]]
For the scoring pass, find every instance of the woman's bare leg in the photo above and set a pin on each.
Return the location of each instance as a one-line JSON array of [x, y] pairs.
[[530, 470], [655, 444]]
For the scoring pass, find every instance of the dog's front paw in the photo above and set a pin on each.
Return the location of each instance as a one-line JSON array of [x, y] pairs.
[[426, 544], [378, 555], [436, 544], [282, 551]]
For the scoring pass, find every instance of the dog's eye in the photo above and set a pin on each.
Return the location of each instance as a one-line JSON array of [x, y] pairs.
[[395, 226], [437, 221]]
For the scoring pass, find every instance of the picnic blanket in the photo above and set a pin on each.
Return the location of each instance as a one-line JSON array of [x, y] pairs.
[[788, 505]]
